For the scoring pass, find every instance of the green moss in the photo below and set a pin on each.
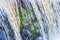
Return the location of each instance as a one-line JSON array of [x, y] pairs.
[[20, 16], [25, 17]]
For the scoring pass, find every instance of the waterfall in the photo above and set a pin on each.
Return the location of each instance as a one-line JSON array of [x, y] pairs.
[[8, 21], [29, 19], [47, 14]]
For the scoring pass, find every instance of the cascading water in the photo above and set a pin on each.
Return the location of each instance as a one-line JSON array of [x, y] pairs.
[[9, 29], [29, 20]]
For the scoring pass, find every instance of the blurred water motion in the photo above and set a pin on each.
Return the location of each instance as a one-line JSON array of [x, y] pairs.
[[29, 20]]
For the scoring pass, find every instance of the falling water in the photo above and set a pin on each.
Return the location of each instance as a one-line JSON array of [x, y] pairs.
[[29, 19], [47, 13], [9, 28]]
